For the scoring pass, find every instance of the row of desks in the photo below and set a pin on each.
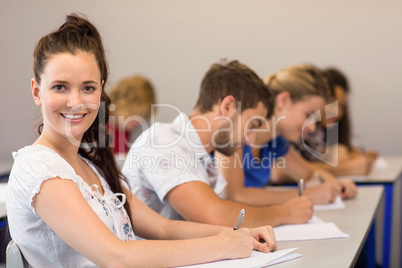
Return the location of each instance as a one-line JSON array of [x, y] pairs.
[[379, 195]]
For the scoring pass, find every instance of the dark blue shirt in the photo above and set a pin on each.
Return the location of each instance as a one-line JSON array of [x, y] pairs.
[[258, 170]]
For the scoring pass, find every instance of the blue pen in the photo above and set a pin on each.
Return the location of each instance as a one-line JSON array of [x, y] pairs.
[[239, 220]]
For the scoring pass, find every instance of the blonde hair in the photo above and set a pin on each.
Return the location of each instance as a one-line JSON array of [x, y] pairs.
[[132, 96], [300, 81]]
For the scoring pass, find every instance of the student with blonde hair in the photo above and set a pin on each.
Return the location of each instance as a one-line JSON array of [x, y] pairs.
[[67, 205], [341, 156], [132, 98], [298, 92]]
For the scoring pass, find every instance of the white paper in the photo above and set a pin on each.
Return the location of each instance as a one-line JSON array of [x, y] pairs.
[[257, 259], [315, 231], [3, 192], [337, 204], [380, 163]]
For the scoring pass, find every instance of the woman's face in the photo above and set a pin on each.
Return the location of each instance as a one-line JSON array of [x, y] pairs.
[[69, 94], [293, 118]]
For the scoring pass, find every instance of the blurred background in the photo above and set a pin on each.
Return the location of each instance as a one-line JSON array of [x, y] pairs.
[[174, 42]]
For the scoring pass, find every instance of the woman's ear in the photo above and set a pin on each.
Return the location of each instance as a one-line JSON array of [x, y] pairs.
[[282, 100], [35, 92], [228, 106]]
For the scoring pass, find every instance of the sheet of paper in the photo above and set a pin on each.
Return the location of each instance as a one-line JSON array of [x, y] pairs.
[[3, 193], [257, 259], [380, 162], [337, 204], [315, 231]]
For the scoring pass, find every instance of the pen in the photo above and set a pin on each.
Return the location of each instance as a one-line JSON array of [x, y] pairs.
[[319, 177], [301, 187], [239, 220]]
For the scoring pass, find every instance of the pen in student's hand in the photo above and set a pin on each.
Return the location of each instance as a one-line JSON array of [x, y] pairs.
[[301, 187], [319, 177], [239, 220]]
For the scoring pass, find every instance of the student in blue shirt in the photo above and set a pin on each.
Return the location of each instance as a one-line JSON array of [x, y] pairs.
[[298, 92]]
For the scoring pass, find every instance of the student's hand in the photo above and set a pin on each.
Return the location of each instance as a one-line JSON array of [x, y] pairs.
[[298, 210], [239, 243], [372, 155], [262, 235], [324, 193], [359, 165], [349, 189]]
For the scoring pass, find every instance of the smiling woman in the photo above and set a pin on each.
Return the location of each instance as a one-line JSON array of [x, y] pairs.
[[66, 203], [69, 93]]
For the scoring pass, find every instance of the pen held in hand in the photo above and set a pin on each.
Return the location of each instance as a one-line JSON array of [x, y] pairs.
[[301, 187], [320, 178], [239, 220]]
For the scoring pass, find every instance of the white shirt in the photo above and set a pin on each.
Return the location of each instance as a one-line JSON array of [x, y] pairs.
[[40, 246], [167, 155]]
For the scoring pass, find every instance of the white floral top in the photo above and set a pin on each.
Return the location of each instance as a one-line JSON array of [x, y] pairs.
[[39, 244]]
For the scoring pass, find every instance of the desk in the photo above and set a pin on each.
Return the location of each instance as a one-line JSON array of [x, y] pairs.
[[390, 178], [341, 252]]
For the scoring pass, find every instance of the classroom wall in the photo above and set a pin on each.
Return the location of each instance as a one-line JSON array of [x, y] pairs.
[[174, 42]]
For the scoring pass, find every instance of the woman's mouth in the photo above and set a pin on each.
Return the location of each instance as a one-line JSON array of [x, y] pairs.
[[73, 117]]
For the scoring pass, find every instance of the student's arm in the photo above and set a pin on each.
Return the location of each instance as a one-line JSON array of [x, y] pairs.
[[355, 166], [297, 167], [233, 172], [151, 225], [196, 201], [61, 205]]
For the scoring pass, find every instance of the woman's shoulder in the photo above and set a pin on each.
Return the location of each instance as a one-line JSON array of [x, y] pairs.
[[33, 151], [39, 160]]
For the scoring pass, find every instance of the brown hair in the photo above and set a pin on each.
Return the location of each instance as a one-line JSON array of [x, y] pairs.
[[76, 35], [344, 125], [300, 81], [132, 95], [235, 79]]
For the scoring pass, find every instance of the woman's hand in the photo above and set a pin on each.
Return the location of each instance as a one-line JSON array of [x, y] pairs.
[[265, 240], [242, 242]]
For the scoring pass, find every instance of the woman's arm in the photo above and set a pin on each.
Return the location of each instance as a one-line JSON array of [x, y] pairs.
[[297, 168], [329, 188], [61, 205], [234, 175]]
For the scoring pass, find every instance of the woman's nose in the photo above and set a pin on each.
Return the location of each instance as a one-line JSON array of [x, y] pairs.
[[74, 99]]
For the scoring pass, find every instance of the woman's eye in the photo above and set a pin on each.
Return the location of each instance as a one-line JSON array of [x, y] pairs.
[[89, 89], [59, 88]]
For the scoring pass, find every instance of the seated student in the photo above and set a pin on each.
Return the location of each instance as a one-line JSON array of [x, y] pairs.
[[338, 156], [132, 98], [169, 166], [66, 204], [298, 91]]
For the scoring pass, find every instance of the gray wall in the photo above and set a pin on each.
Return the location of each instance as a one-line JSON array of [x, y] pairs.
[[174, 42]]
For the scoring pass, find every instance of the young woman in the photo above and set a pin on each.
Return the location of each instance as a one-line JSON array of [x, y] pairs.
[[67, 205], [298, 92], [344, 158]]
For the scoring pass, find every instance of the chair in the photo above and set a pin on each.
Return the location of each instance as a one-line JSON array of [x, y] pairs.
[[14, 257]]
